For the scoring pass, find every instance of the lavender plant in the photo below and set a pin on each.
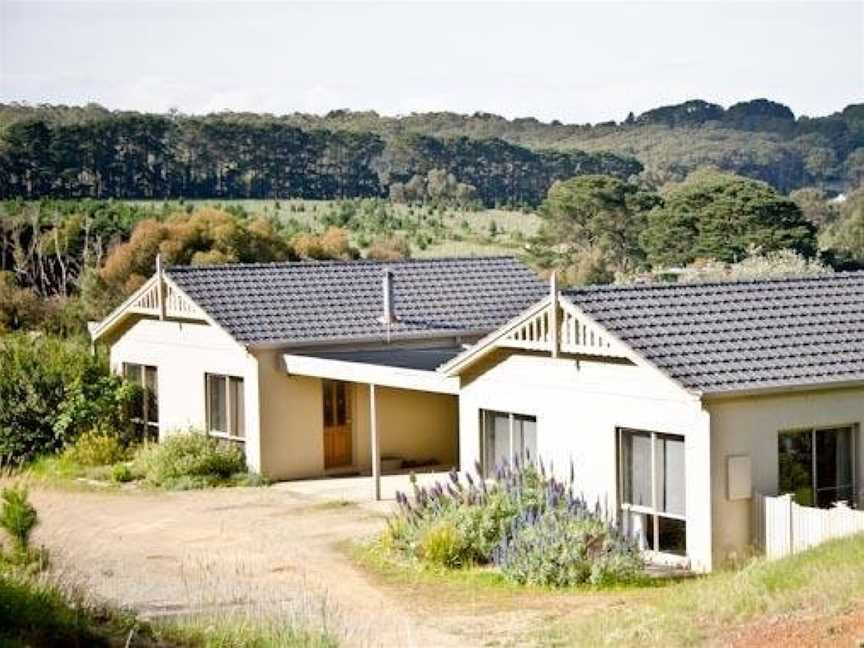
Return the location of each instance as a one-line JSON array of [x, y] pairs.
[[530, 524]]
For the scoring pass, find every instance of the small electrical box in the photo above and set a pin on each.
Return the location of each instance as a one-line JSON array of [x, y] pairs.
[[739, 477]]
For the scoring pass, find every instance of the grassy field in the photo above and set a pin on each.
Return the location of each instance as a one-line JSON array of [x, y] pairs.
[[443, 231]]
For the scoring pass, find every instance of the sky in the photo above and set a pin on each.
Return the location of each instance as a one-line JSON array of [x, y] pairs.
[[576, 62]]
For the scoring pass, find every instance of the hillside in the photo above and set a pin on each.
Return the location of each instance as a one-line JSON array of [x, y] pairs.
[[89, 151]]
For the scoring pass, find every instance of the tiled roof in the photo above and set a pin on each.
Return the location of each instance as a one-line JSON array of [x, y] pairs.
[[722, 337], [320, 301]]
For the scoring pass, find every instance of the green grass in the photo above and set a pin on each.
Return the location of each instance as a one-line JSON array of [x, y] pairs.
[[824, 580], [396, 570], [61, 471], [36, 612]]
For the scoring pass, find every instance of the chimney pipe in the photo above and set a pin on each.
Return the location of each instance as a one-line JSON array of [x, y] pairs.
[[388, 316]]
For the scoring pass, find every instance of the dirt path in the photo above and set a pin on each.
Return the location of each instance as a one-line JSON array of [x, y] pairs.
[[278, 553]]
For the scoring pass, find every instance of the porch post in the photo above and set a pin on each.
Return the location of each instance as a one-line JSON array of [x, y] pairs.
[[376, 450]]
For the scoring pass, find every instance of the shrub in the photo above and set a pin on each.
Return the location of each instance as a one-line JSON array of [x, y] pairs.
[[18, 518], [189, 460], [560, 549], [530, 525], [121, 473], [52, 390], [442, 543], [96, 448]]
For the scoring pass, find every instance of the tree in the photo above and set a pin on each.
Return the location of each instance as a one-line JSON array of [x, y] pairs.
[[815, 206], [844, 239], [596, 214], [721, 216], [206, 236]]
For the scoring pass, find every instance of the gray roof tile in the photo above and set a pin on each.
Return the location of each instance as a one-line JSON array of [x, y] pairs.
[[729, 336], [294, 303]]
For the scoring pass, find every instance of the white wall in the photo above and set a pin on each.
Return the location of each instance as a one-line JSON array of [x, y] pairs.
[[579, 406], [750, 426], [183, 353]]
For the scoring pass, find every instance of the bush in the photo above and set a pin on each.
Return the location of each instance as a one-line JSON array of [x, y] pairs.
[[189, 460], [18, 518], [121, 473], [561, 550], [52, 390], [96, 448], [528, 524]]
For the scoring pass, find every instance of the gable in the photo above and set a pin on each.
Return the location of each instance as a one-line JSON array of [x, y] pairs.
[[154, 300]]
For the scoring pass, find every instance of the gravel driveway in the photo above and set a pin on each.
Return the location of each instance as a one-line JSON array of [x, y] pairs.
[[267, 549]]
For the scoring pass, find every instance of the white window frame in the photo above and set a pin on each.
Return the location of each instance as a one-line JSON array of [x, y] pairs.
[[651, 511], [142, 368], [511, 416], [228, 411]]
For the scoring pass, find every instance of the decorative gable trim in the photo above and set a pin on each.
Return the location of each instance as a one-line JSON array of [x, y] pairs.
[[534, 332], [176, 304], [158, 298], [580, 335], [553, 325]]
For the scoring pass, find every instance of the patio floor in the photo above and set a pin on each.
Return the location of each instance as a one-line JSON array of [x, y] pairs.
[[358, 489]]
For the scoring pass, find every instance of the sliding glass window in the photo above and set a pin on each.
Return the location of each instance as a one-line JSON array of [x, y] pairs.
[[506, 437]]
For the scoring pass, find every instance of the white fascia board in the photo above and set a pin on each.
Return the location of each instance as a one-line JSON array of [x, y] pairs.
[[372, 374], [116, 315]]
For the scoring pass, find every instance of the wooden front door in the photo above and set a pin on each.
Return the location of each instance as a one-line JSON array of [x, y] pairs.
[[337, 423]]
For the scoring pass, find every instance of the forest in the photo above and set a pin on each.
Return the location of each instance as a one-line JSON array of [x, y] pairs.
[[91, 152], [72, 153]]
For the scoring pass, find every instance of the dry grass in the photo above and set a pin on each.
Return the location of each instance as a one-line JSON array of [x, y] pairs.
[[822, 581]]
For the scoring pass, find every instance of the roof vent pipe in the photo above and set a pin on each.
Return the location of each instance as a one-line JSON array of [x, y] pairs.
[[388, 316]]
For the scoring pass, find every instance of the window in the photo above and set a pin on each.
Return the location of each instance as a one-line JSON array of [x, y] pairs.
[[506, 437], [145, 408], [226, 412], [653, 491], [816, 465]]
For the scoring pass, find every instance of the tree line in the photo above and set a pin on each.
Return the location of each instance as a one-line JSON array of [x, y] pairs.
[[93, 153]]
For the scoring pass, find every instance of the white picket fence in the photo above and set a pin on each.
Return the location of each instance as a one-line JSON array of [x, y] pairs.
[[781, 527]]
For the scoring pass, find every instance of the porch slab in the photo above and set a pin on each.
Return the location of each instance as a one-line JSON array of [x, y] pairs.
[[357, 489]]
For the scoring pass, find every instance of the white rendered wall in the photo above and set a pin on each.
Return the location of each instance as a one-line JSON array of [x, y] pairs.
[[183, 353], [579, 405]]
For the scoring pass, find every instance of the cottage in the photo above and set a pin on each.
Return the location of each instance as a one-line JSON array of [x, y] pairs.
[[672, 404]]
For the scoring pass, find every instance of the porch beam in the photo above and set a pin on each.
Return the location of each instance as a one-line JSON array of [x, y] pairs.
[[376, 450]]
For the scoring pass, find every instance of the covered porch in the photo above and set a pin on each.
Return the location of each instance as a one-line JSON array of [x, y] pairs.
[[382, 412]]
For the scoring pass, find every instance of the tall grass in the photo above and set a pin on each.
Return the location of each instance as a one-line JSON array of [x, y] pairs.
[[823, 580]]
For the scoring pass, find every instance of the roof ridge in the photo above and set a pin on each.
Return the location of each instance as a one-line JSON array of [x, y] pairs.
[[850, 274], [339, 262]]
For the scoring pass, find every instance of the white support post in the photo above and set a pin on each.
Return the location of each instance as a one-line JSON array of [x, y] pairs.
[[160, 287], [553, 313], [376, 450]]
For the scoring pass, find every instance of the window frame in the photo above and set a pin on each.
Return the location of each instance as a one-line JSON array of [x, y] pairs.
[[512, 417], [229, 407], [150, 424], [652, 512], [853, 453]]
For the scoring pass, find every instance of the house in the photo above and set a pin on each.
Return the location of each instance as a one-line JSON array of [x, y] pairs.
[[290, 359], [672, 403]]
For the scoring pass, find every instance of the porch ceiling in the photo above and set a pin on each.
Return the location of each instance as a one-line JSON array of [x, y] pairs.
[[400, 368]]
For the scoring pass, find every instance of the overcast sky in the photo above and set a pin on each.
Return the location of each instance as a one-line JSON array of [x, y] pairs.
[[577, 62]]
